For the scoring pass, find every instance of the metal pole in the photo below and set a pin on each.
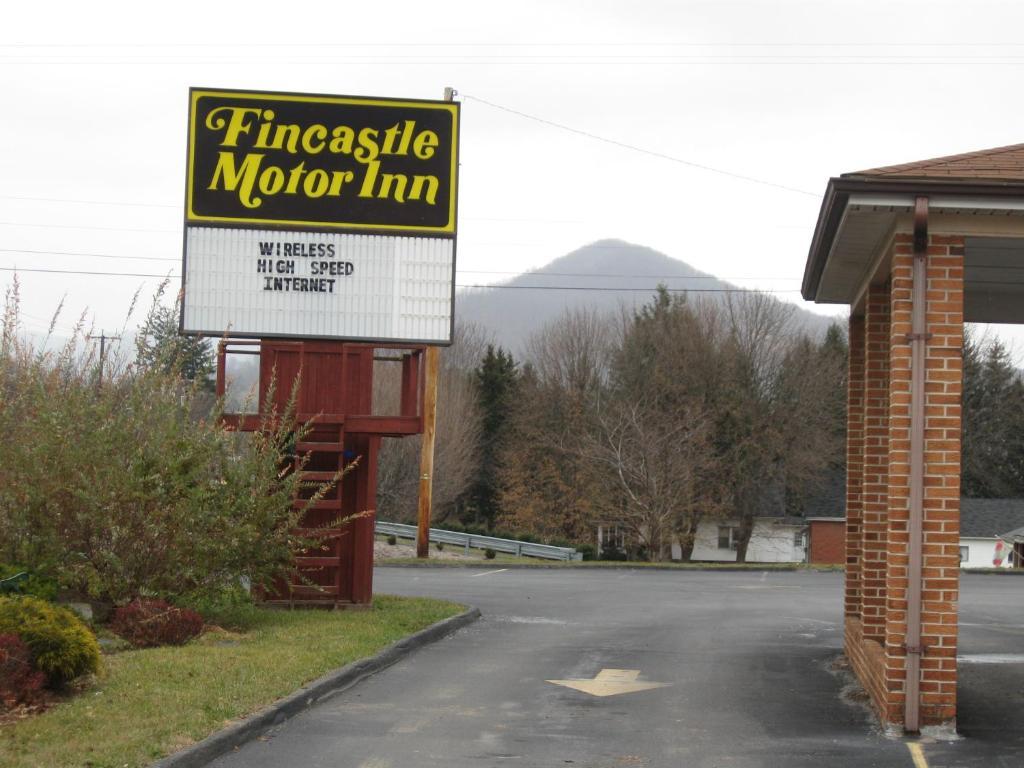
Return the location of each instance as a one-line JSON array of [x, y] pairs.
[[917, 338]]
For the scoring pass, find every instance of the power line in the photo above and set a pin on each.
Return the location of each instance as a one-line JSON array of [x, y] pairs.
[[457, 285], [86, 226], [614, 274], [87, 202], [602, 289], [83, 272], [89, 255], [641, 150], [460, 271]]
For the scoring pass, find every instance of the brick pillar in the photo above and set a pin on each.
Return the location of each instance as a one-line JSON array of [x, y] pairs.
[[941, 503], [854, 467], [875, 494]]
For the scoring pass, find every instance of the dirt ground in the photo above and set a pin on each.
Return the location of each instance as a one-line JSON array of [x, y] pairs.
[[405, 549]]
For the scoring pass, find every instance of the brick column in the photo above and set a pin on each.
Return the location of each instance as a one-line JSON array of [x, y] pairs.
[[854, 467], [941, 503], [875, 494]]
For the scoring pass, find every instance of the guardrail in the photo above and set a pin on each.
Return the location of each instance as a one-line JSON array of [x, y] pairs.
[[467, 540]]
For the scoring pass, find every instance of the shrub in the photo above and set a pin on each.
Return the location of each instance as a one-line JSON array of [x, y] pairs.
[[490, 554], [440, 546], [130, 486], [35, 585], [148, 623], [19, 682], [392, 539], [62, 646]]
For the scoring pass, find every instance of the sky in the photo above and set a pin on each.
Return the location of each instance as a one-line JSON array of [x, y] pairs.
[[706, 130]]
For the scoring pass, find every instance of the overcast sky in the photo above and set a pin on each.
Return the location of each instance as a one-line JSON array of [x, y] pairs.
[[94, 107]]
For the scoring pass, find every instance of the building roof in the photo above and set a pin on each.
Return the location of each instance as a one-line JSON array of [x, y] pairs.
[[859, 210], [1000, 163], [829, 498], [990, 518]]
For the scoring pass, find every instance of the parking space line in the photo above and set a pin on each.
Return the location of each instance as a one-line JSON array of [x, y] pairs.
[[488, 573], [917, 754]]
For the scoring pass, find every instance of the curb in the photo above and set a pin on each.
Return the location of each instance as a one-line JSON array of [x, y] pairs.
[[626, 566], [228, 739]]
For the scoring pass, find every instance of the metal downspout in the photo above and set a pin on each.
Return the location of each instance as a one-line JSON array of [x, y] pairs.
[[918, 338]]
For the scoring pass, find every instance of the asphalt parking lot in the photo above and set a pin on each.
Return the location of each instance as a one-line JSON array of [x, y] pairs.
[[695, 669]]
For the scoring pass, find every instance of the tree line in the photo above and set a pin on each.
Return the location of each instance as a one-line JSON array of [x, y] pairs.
[[655, 420], [651, 421]]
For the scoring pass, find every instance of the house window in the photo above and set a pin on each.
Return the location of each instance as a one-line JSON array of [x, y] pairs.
[[728, 536], [798, 538], [965, 554]]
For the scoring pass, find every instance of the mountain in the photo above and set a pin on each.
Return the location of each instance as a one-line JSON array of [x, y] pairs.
[[625, 273]]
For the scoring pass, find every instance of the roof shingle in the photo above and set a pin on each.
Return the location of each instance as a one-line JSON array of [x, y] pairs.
[[989, 518], [998, 164]]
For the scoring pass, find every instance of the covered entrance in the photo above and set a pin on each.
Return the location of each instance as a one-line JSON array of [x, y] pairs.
[[915, 250]]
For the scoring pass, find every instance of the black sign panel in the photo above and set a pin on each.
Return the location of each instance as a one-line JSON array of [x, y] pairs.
[[322, 162]]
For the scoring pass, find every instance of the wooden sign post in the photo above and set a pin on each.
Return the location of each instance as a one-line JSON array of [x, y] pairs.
[[431, 365]]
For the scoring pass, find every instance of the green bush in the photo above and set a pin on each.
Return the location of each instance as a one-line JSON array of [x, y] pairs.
[[129, 484], [62, 646], [392, 539], [490, 554], [36, 585]]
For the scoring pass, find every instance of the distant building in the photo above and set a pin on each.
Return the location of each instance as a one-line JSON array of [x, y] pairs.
[[826, 540], [773, 540], [984, 523]]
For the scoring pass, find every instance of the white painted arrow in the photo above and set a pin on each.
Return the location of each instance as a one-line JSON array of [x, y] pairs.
[[610, 682]]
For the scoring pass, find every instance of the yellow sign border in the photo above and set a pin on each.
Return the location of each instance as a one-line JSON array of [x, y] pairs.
[[451, 107]]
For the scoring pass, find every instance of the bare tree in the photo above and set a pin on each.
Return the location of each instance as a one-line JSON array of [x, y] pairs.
[[456, 441], [548, 487], [775, 419], [653, 470]]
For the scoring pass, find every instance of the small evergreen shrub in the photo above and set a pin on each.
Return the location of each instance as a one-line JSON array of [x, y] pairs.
[[62, 647], [35, 585], [20, 683], [440, 546], [490, 554], [148, 623], [392, 539]]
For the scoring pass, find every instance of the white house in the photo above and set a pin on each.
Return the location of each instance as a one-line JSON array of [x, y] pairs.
[[982, 524], [773, 540]]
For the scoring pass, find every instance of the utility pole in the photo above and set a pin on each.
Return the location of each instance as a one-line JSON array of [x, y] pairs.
[[431, 368], [431, 365], [103, 352]]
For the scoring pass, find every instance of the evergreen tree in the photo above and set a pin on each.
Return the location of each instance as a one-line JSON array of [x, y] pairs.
[[160, 345], [497, 381], [992, 424]]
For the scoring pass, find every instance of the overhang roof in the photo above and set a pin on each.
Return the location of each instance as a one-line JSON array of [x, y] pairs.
[[859, 209], [998, 164]]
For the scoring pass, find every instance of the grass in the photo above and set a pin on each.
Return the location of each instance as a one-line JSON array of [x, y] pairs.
[[148, 703]]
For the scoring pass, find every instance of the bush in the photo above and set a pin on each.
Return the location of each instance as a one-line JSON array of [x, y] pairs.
[[611, 552], [490, 554], [62, 646], [392, 539], [440, 546], [148, 623], [19, 682], [133, 487], [35, 585]]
